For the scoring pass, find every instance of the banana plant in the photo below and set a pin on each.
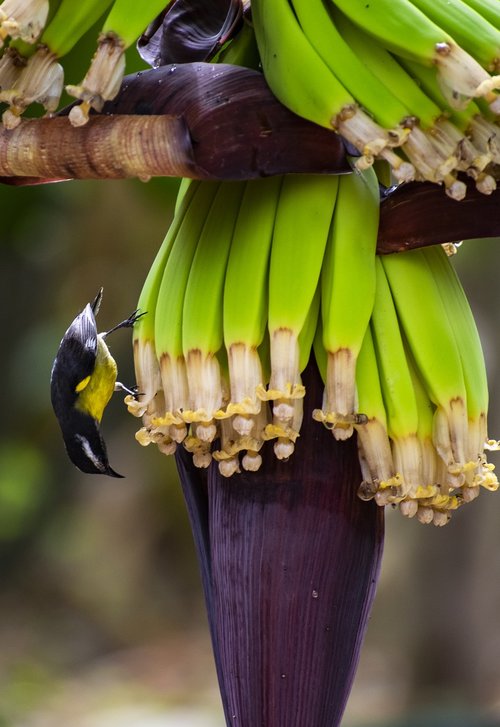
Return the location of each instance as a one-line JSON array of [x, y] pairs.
[[290, 551]]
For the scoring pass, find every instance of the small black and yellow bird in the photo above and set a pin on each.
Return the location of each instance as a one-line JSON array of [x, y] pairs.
[[82, 381]]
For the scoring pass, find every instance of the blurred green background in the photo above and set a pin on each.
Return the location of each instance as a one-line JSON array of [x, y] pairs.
[[101, 614]]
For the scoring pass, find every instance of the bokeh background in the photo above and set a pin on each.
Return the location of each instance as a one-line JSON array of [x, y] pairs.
[[102, 620]]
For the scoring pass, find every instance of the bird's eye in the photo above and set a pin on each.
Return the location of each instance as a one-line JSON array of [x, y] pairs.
[[83, 383]]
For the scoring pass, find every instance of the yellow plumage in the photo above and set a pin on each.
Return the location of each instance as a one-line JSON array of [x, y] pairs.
[[96, 393]]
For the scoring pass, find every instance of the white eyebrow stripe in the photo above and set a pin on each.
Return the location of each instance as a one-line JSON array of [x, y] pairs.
[[87, 450]]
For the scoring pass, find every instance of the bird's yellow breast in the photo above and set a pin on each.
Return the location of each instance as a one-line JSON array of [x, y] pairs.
[[95, 391]]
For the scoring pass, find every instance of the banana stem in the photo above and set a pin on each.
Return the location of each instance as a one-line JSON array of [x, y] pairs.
[[108, 148], [241, 132]]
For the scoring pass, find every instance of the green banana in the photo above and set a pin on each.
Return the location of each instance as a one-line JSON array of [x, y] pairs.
[[242, 50], [42, 79], [303, 218], [168, 311], [347, 295], [70, 23], [406, 30], [469, 28], [286, 432], [397, 389], [149, 403], [489, 9], [380, 480], [319, 26], [433, 162], [124, 24], [246, 299], [387, 69], [434, 348], [433, 500], [462, 323], [202, 316], [24, 19], [290, 62]]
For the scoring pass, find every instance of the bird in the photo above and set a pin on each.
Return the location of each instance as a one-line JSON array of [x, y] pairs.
[[82, 381]]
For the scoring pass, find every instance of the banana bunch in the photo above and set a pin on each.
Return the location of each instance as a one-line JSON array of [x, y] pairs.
[[234, 299], [41, 33], [413, 82], [421, 382], [255, 277]]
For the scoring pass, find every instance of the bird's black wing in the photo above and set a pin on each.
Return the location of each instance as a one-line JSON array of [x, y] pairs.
[[75, 359]]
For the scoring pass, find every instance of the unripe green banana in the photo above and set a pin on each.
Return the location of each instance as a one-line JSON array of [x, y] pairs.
[[70, 23], [242, 50], [286, 430], [290, 62], [300, 234], [380, 480], [434, 348], [471, 158], [318, 25], [347, 294], [147, 372], [489, 9], [202, 315], [475, 35], [462, 322], [246, 299], [387, 69], [124, 24], [404, 29], [168, 312], [433, 162], [397, 388], [433, 501]]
